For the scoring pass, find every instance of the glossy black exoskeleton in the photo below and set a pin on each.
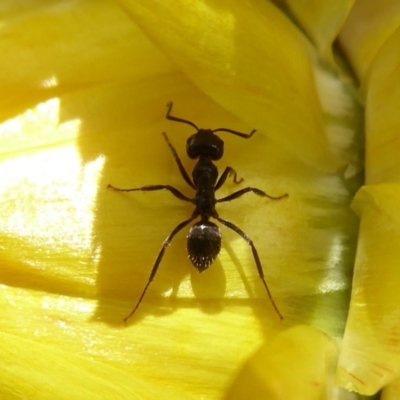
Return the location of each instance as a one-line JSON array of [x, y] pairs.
[[204, 238]]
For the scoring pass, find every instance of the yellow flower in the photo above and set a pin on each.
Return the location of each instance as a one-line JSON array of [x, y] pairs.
[[84, 89]]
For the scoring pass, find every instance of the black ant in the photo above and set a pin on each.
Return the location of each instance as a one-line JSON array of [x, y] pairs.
[[204, 238]]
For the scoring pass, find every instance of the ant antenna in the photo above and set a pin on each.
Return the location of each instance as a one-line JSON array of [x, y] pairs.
[[170, 117], [185, 121], [243, 135]]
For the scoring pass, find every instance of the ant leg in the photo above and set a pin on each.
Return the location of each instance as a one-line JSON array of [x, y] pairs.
[[150, 188], [258, 192], [229, 171], [256, 258], [160, 256], [182, 169]]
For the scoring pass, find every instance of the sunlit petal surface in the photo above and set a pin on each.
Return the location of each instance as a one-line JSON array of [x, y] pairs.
[[56, 212], [26, 360]]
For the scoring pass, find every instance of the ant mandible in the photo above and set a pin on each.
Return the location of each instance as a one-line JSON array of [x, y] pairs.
[[204, 238]]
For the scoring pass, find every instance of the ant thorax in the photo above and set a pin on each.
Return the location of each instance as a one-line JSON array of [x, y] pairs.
[[205, 174]]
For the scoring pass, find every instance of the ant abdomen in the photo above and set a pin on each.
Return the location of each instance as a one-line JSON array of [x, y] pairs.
[[203, 244]]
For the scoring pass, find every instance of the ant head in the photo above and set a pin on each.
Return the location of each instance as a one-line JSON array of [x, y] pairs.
[[205, 143], [203, 244]]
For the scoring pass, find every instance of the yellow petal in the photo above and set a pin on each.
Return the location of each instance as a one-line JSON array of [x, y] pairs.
[[370, 355], [382, 115], [233, 52], [322, 20], [51, 50], [368, 360], [391, 391], [36, 371], [269, 374], [368, 26], [76, 257]]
